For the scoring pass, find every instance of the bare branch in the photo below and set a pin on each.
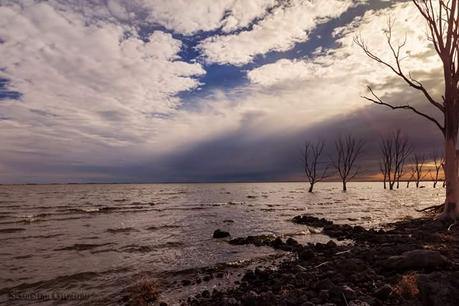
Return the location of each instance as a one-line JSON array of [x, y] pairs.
[[378, 100]]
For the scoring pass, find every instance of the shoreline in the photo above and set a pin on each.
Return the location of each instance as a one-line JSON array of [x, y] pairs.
[[411, 262]]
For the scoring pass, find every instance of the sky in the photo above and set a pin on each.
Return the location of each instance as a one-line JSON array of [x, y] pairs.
[[202, 91]]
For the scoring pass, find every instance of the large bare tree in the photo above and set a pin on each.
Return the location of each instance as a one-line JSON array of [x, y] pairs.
[[312, 153], [442, 19], [348, 149], [394, 150]]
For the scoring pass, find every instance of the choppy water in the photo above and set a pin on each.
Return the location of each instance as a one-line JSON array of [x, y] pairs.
[[98, 240]]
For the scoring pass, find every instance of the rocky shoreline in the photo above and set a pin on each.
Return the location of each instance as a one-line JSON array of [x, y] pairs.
[[412, 262]]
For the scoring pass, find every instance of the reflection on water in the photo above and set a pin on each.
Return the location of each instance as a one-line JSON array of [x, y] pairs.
[[98, 239]]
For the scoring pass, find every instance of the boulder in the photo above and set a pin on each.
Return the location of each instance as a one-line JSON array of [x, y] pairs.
[[220, 234], [416, 260]]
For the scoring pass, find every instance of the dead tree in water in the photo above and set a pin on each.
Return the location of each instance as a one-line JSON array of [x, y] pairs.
[[411, 177], [383, 169], [311, 154], [395, 150], [348, 149], [441, 18], [438, 162], [418, 163]]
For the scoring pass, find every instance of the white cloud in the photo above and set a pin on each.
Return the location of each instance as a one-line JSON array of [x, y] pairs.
[[348, 65], [85, 87], [279, 31]]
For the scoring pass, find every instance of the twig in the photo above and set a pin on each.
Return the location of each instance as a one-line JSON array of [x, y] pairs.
[[451, 225]]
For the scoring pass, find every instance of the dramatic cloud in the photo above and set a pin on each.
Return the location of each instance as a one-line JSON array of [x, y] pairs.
[[279, 31], [119, 91]]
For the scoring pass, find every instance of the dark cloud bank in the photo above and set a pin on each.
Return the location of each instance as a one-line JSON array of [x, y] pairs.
[[245, 156]]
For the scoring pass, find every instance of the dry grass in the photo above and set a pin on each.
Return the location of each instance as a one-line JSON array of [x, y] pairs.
[[407, 287], [143, 293]]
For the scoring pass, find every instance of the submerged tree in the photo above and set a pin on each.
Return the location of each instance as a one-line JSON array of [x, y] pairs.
[[383, 169], [442, 18], [418, 164], [348, 149], [438, 162], [411, 177], [312, 153], [394, 150]]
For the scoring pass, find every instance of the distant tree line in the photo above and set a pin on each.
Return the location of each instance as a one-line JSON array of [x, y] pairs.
[[397, 162]]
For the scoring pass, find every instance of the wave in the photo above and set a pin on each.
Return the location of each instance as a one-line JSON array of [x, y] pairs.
[[82, 247], [155, 228], [11, 230], [121, 230], [147, 248]]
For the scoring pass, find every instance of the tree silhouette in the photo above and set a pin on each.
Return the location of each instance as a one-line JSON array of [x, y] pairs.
[[442, 19]]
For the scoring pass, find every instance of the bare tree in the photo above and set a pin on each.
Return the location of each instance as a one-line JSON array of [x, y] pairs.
[[438, 162], [312, 153], [348, 149], [411, 177], [442, 19], [383, 169], [395, 150], [418, 163]]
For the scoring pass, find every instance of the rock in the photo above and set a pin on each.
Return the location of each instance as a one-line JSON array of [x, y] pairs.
[[186, 282], [250, 298], [220, 234], [305, 254], [331, 244], [291, 241], [383, 292], [163, 304], [277, 243], [358, 303], [230, 301], [238, 241], [311, 221], [416, 259], [438, 288], [205, 294]]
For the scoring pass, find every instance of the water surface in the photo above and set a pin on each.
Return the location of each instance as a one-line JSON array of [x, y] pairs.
[[100, 239]]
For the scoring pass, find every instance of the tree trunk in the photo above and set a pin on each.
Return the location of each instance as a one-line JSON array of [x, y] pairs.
[[344, 186], [391, 185], [311, 186], [451, 176], [385, 185], [435, 184]]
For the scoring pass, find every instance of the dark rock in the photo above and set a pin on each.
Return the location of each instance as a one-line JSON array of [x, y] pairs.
[[163, 304], [439, 288], [220, 234], [205, 294], [291, 241], [238, 241], [311, 221], [277, 243], [186, 282], [416, 259], [331, 244], [206, 278], [383, 292], [305, 254], [250, 298]]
